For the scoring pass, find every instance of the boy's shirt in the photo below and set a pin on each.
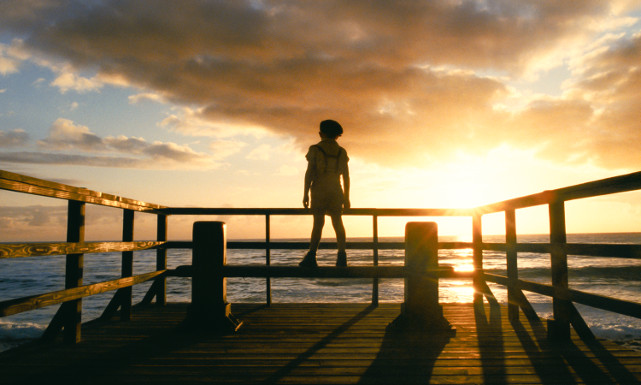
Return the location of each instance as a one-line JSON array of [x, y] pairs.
[[328, 159]]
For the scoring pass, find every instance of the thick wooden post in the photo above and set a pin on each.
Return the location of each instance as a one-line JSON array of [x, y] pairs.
[[375, 260], [512, 267], [421, 309], [559, 328], [477, 244], [161, 260], [72, 313], [209, 307], [268, 260], [127, 268]]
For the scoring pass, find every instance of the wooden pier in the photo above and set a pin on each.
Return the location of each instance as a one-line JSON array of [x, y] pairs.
[[419, 341], [321, 344]]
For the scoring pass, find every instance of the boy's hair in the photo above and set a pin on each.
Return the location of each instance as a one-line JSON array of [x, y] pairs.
[[331, 128]]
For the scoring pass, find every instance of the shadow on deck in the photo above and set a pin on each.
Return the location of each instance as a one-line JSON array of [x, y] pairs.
[[321, 343]]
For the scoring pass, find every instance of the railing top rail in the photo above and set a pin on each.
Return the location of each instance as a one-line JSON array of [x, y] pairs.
[[399, 212], [26, 184], [617, 184]]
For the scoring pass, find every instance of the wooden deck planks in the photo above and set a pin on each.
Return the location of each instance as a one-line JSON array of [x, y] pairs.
[[321, 344]]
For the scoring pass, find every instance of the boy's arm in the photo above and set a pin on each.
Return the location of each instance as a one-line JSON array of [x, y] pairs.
[[346, 202], [308, 184]]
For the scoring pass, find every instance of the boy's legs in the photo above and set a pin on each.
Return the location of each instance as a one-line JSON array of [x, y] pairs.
[[317, 231], [339, 228]]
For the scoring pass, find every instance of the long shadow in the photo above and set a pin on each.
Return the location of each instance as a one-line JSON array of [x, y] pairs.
[[546, 357], [87, 368], [544, 360], [617, 370], [490, 341], [285, 370], [583, 366], [406, 357]]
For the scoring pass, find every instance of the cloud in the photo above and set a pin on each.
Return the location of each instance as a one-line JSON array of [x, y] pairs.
[[65, 134], [194, 122], [29, 222], [8, 63], [7, 66], [14, 138], [83, 147], [134, 99], [222, 149], [262, 152], [412, 82], [69, 81], [611, 80]]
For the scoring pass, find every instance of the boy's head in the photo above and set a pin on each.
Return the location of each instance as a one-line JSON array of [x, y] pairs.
[[331, 129]]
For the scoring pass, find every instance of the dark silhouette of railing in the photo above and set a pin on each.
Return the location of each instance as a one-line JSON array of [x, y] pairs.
[[68, 317]]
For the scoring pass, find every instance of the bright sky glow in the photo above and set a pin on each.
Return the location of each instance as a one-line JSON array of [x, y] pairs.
[[444, 104]]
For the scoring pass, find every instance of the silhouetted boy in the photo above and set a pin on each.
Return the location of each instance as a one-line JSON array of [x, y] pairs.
[[326, 163]]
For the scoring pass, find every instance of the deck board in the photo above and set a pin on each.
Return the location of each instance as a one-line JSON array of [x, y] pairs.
[[320, 344]]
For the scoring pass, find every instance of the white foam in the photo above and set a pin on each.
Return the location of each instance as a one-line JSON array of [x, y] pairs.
[[14, 334]]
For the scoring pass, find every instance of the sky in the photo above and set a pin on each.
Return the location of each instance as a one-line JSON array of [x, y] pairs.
[[445, 103]]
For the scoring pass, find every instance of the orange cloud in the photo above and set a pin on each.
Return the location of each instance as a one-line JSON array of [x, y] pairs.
[[404, 78]]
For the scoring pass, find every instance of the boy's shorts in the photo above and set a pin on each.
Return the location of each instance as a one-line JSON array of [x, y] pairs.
[[327, 203]]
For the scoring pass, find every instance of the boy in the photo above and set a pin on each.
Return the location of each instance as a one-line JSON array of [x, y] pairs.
[[326, 163]]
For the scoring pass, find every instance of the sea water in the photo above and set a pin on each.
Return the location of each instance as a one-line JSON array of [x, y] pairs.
[[613, 277]]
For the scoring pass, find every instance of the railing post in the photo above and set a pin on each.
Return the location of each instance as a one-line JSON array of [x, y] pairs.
[[127, 268], [421, 309], [559, 328], [72, 314], [161, 260], [209, 307], [477, 244], [375, 250], [512, 267], [268, 282]]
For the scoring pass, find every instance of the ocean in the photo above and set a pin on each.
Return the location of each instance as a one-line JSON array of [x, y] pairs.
[[613, 277]]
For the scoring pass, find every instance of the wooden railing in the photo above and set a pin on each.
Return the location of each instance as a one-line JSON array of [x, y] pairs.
[[565, 313], [68, 317], [268, 245]]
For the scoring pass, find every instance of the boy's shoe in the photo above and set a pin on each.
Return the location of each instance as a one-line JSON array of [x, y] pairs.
[[341, 259], [309, 260]]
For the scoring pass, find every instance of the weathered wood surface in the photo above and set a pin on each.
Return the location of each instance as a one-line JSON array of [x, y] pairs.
[[22, 250], [321, 344], [263, 271], [620, 306], [19, 305], [617, 184], [26, 184], [397, 212]]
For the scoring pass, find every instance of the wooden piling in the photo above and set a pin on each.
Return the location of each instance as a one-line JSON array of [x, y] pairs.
[[209, 307], [559, 328], [421, 309], [72, 310], [127, 268], [161, 260]]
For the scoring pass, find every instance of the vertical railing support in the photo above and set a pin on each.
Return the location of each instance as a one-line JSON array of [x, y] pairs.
[[512, 266], [161, 260], [72, 318], [421, 309], [209, 307], [477, 244], [268, 261], [375, 261], [559, 328], [127, 268]]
